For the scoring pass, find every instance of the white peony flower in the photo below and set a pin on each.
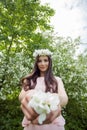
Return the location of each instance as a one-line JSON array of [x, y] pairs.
[[43, 103]]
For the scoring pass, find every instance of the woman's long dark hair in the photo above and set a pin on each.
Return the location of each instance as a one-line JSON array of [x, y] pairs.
[[29, 82]]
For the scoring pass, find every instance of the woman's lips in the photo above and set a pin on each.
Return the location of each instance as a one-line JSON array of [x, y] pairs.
[[42, 67]]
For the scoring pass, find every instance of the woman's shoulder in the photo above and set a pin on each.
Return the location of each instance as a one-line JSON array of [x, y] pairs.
[[60, 81], [57, 78]]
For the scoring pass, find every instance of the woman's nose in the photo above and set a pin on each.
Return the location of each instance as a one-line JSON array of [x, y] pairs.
[[42, 62]]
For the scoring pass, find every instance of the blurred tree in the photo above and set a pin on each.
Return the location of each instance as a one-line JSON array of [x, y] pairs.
[[73, 71], [21, 27]]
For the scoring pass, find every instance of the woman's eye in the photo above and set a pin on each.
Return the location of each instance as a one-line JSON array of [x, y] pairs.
[[39, 61], [45, 60]]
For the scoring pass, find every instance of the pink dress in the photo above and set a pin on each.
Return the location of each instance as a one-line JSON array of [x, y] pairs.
[[57, 124]]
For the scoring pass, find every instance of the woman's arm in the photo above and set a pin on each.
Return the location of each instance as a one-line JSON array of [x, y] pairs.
[[62, 93], [22, 94], [24, 98]]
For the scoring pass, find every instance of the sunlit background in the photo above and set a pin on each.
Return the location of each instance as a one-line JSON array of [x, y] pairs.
[[70, 18]]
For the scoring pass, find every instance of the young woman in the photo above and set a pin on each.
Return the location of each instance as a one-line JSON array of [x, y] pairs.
[[42, 78]]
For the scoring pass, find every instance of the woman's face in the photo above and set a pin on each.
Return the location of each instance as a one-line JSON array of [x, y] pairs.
[[43, 63]]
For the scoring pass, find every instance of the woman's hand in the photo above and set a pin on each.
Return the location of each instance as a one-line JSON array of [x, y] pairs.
[[28, 111], [50, 117], [53, 115]]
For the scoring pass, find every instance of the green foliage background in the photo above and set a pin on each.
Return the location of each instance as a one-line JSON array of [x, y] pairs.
[[24, 27]]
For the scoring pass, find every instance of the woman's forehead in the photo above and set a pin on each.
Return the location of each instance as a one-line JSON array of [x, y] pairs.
[[43, 57]]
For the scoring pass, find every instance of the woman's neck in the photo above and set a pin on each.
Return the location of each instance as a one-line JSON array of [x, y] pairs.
[[42, 74]]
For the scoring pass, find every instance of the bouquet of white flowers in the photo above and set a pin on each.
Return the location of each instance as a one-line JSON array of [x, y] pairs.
[[43, 103]]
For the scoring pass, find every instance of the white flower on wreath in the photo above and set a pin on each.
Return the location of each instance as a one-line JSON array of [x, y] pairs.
[[42, 52]]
